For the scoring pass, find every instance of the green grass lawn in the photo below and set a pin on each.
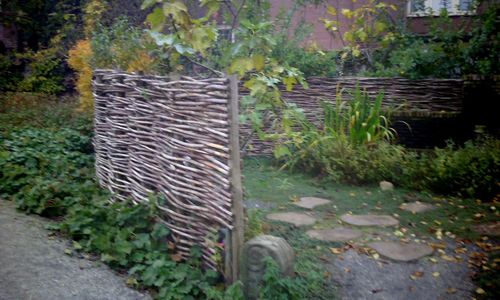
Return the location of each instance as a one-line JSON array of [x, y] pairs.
[[276, 191]]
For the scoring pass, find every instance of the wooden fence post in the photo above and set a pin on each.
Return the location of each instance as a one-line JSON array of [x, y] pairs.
[[237, 234]]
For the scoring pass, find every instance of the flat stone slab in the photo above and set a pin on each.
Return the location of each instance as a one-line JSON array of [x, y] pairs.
[[491, 229], [369, 220], [417, 207], [340, 234], [311, 202], [294, 218], [401, 252]]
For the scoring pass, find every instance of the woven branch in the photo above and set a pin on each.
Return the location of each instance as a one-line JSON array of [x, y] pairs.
[[417, 97], [155, 135]]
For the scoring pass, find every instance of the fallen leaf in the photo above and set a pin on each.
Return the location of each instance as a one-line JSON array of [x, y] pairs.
[[448, 258], [451, 290], [480, 291], [437, 245], [432, 259], [436, 274], [336, 250], [416, 275], [376, 256], [68, 251], [398, 233]]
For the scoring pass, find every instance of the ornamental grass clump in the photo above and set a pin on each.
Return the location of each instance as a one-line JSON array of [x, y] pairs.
[[352, 144]]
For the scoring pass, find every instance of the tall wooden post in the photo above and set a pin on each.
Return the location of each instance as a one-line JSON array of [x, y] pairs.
[[237, 234]]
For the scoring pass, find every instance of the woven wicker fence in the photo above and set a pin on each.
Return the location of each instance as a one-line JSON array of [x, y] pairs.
[[429, 97], [173, 138]]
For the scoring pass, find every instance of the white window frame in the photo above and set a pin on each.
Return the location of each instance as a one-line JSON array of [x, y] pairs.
[[453, 11]]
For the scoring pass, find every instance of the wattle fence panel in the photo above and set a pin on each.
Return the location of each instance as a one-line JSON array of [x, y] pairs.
[[155, 135], [417, 98]]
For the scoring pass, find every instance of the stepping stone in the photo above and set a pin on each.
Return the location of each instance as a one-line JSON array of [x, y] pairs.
[[386, 186], [401, 252], [296, 219], [417, 207], [311, 202], [369, 220], [340, 234], [491, 229]]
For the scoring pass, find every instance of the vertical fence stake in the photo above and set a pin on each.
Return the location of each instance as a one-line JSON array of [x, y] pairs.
[[237, 234]]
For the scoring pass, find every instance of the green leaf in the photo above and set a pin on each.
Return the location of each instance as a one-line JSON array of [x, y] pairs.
[[258, 62], [156, 19], [148, 3], [289, 82], [281, 151]]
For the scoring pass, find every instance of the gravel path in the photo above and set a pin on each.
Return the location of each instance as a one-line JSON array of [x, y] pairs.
[[358, 276], [35, 267]]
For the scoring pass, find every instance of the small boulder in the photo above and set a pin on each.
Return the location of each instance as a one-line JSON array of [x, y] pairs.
[[386, 186]]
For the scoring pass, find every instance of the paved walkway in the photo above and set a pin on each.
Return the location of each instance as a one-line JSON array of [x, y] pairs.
[[392, 270], [35, 267]]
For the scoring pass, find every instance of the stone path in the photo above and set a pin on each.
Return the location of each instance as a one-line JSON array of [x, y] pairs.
[[334, 235], [311, 202], [401, 252], [296, 219], [393, 270], [35, 267], [358, 276], [417, 207], [369, 220]]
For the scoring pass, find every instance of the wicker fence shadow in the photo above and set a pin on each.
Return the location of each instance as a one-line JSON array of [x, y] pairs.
[[171, 137], [427, 97]]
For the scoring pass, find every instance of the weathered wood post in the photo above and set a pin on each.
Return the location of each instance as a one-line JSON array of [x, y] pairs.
[[237, 233]]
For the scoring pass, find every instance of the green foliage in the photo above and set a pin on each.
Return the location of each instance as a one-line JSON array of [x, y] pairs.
[[28, 110], [44, 72], [387, 47], [46, 172], [483, 53], [471, 170], [124, 47], [348, 146], [253, 224], [276, 286]]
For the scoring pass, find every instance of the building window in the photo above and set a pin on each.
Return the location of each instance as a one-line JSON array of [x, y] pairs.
[[417, 8]]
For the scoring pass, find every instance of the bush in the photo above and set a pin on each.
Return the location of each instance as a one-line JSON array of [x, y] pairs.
[[47, 172], [44, 72], [472, 170], [350, 146]]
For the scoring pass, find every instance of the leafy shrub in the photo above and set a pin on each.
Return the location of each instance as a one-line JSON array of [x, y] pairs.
[[122, 46], [44, 72], [349, 146], [23, 110], [472, 170], [276, 286], [46, 172]]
